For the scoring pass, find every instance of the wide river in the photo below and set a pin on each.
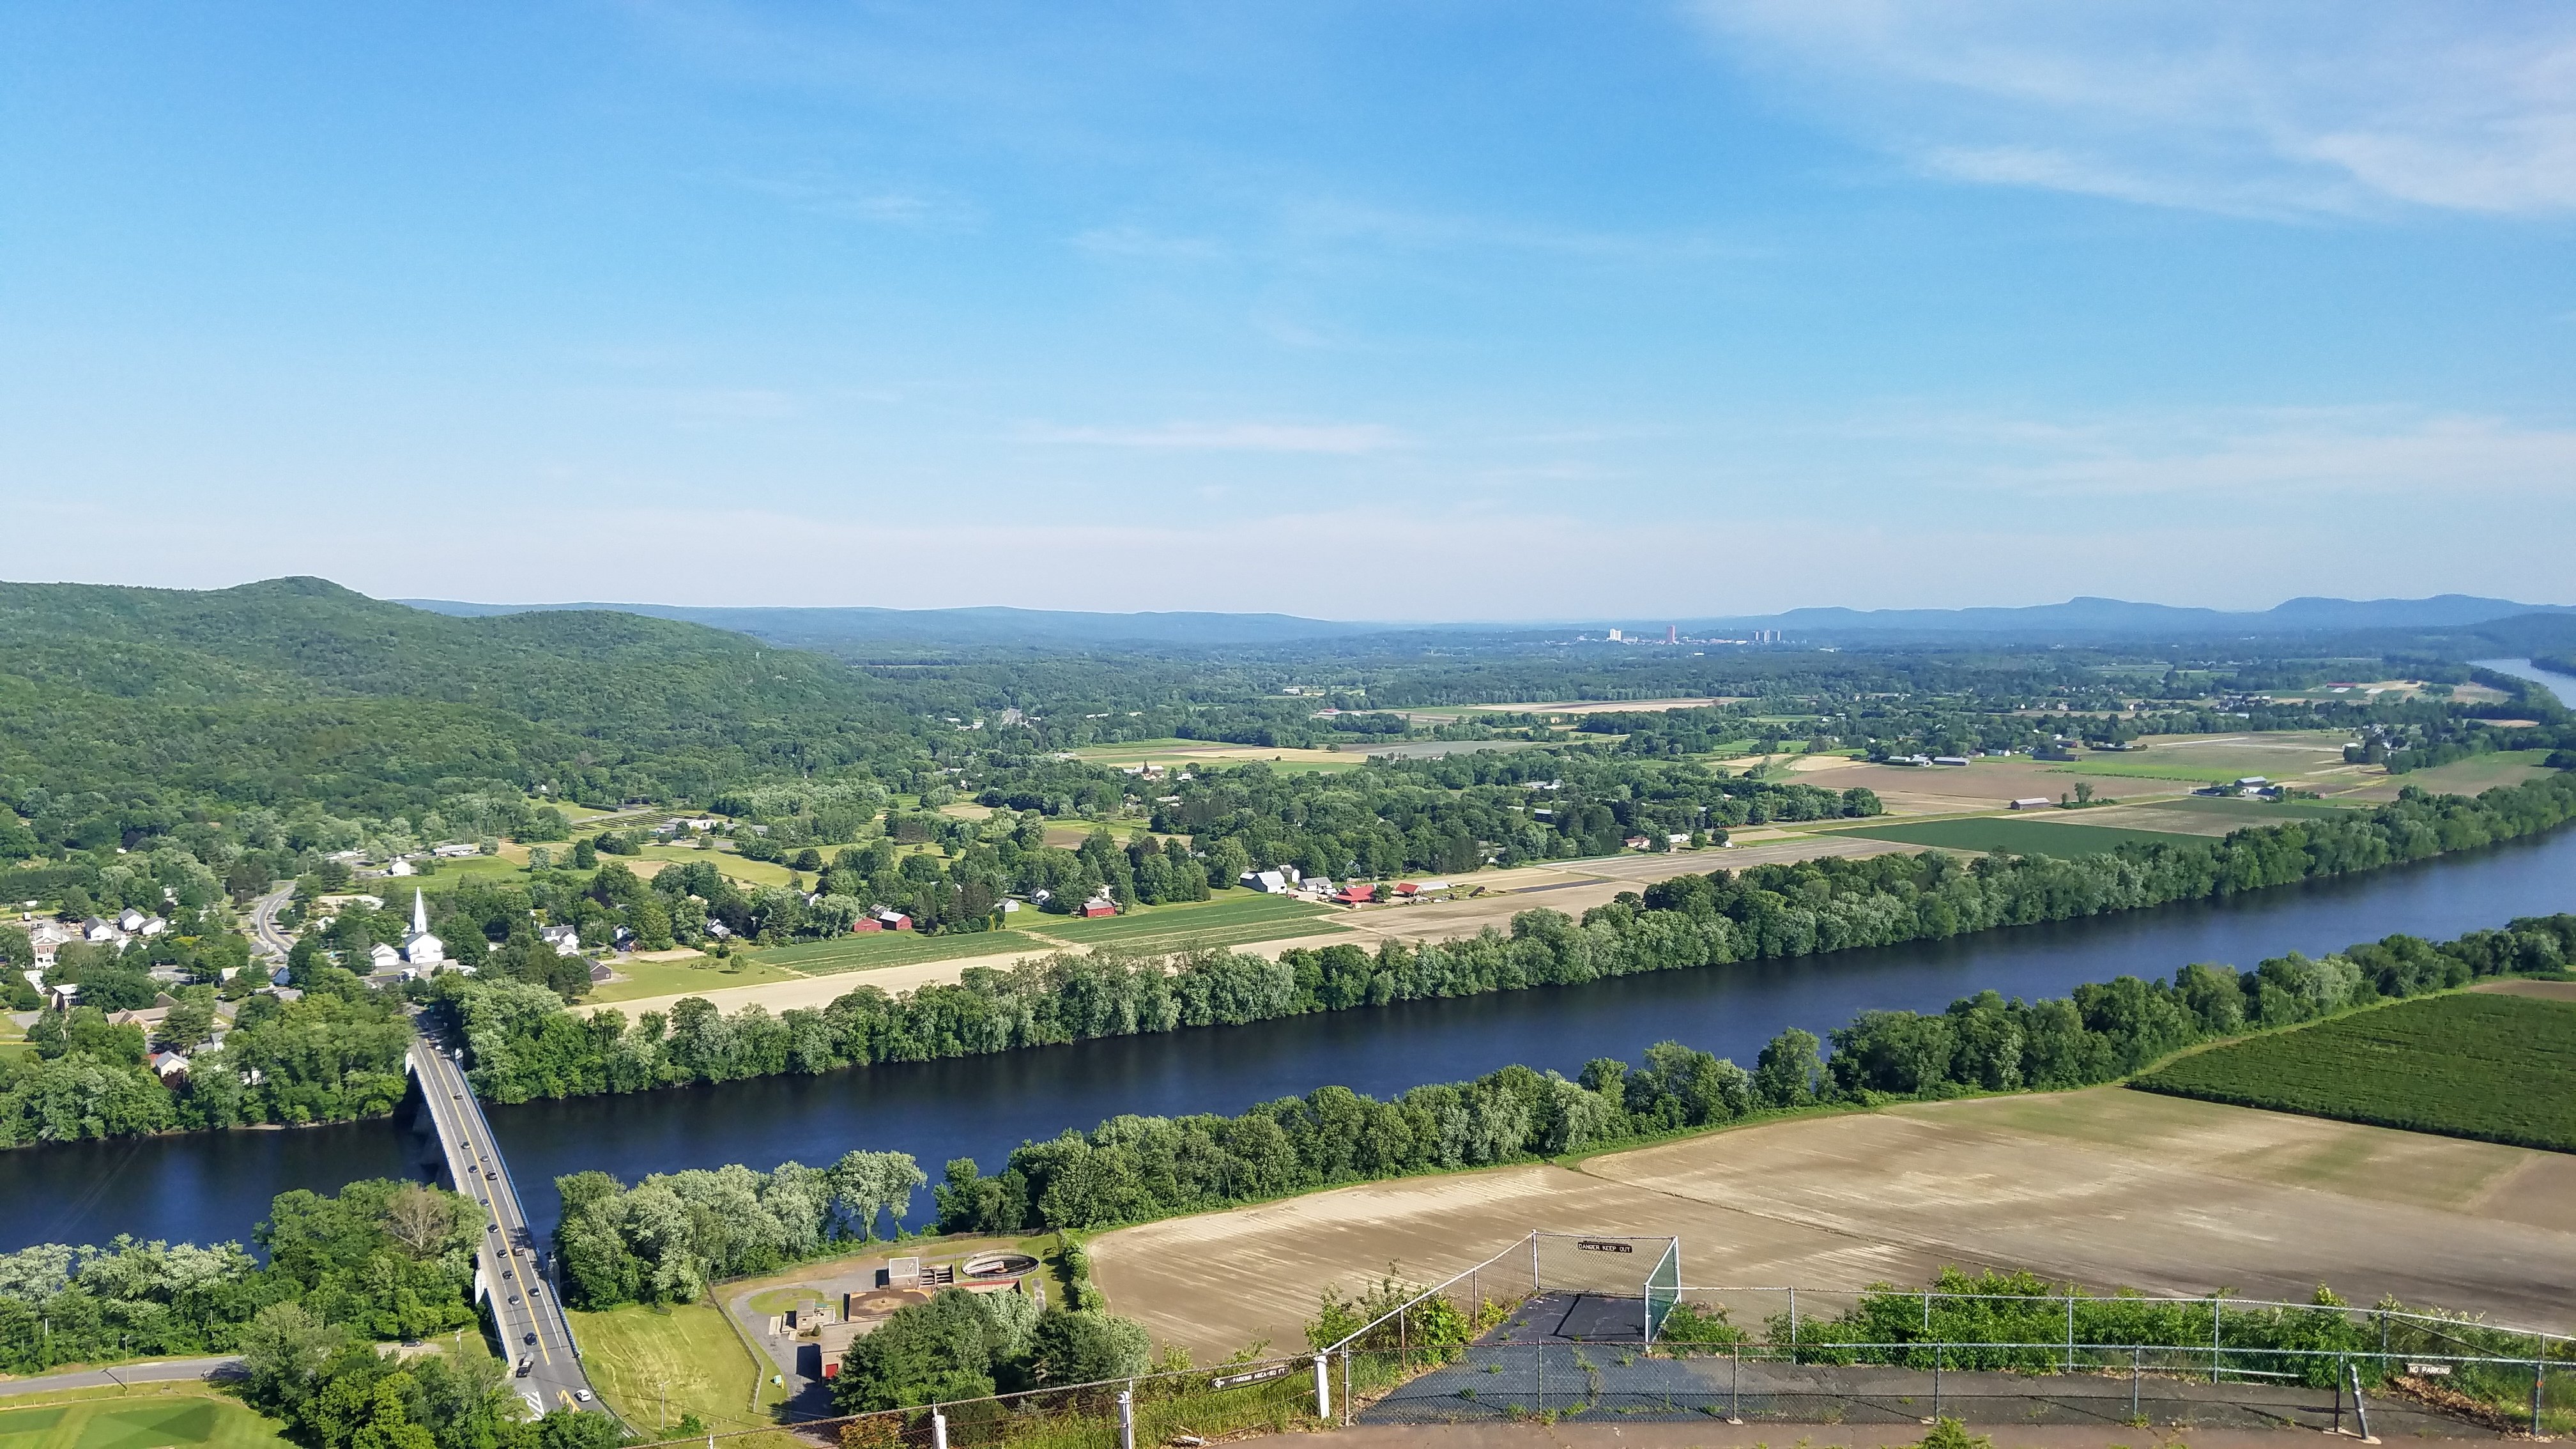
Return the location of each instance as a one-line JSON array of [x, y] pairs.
[[206, 1186]]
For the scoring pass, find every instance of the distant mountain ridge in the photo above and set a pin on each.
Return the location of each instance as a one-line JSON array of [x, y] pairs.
[[992, 624], [824, 628], [2096, 616]]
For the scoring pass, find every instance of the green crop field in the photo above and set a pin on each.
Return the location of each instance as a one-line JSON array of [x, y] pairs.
[[1235, 919], [2496, 1068], [2020, 835], [172, 1421], [896, 948]]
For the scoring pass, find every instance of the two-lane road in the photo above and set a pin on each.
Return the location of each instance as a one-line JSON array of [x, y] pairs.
[[532, 1325], [271, 941]]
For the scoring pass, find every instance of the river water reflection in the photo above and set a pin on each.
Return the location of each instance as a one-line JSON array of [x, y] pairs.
[[214, 1185]]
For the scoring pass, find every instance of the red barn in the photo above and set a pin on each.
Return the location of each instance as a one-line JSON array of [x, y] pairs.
[[1094, 910]]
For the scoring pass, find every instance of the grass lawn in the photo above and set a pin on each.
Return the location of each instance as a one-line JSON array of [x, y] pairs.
[[2492, 1067], [180, 1417], [641, 1359], [706, 973], [448, 875], [2020, 835], [896, 948], [1234, 918]]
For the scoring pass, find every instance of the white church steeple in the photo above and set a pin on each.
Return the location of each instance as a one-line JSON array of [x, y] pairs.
[[421, 948]]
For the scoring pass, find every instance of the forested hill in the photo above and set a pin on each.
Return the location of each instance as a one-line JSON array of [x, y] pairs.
[[297, 691]]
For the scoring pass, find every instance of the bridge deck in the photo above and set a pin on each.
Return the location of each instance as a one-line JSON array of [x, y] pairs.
[[532, 1323]]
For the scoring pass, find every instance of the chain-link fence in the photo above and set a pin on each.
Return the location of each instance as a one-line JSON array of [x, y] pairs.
[[1915, 1382]]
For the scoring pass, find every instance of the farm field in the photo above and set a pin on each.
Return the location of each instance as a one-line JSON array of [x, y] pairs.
[[2490, 1066], [1949, 789], [2106, 1187], [2020, 835], [2463, 777], [895, 948], [2240, 812], [636, 1355], [174, 1418], [1237, 918], [2284, 754], [702, 973], [1181, 752]]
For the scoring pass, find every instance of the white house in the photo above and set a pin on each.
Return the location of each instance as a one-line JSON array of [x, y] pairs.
[[421, 948], [565, 939], [401, 867], [1268, 882], [382, 957]]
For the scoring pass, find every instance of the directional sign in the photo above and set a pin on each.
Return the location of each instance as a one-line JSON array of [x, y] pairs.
[[1252, 1376]]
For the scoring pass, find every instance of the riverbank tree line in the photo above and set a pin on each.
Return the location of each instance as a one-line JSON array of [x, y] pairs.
[[378, 1259], [1131, 1168], [666, 1238], [524, 1045]]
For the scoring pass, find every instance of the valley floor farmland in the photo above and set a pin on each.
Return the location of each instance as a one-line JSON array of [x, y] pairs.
[[2494, 1066], [2107, 1187]]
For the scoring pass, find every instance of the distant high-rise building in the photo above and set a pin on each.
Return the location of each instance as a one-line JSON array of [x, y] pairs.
[[1614, 636], [1672, 633]]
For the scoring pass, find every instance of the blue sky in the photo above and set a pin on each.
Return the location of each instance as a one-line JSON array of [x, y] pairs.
[[1370, 310]]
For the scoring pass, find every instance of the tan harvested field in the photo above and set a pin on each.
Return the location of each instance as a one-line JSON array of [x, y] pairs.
[[2165, 822], [2545, 990], [1950, 789], [2106, 1187]]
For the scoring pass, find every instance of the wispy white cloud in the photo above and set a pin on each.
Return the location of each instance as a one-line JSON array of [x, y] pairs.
[[2294, 108], [1231, 437], [880, 205]]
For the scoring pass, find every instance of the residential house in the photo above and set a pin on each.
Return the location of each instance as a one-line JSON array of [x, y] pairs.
[[565, 939], [381, 957], [173, 1066]]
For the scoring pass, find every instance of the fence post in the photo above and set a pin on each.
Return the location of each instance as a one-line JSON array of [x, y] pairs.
[[1127, 1417], [1927, 1313], [2539, 1368], [2070, 1332], [1346, 1388], [1793, 1326], [2343, 1370], [2213, 1338], [1403, 1344], [938, 1429], [2137, 1361], [1476, 1293], [1735, 1383], [2360, 1410], [2383, 1337], [1323, 1387], [1936, 1382], [1535, 1284]]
